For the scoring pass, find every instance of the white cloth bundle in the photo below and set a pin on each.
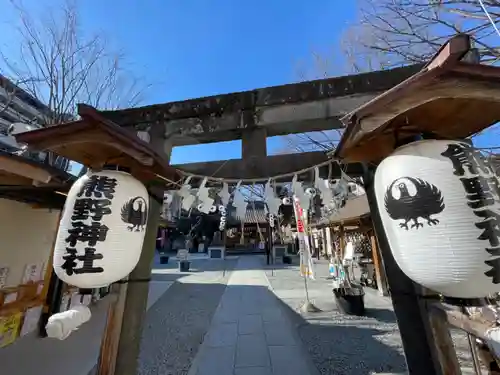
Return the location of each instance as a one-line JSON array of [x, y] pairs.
[[60, 325], [348, 253]]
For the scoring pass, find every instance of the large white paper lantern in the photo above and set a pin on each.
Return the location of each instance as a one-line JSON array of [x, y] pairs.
[[102, 229], [439, 203]]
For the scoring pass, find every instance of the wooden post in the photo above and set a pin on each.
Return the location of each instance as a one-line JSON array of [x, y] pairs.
[[111, 337], [379, 270], [136, 299], [52, 287], [341, 241], [445, 352], [425, 353]]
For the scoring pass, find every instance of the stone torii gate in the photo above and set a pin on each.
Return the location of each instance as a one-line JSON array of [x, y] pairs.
[[252, 116]]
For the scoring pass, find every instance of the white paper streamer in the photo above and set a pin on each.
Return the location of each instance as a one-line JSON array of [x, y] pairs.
[[185, 192], [239, 202], [300, 194], [272, 201], [342, 186], [224, 194], [324, 188], [205, 201], [168, 197]]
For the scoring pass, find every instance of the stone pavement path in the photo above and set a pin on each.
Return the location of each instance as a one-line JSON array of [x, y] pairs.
[[250, 333]]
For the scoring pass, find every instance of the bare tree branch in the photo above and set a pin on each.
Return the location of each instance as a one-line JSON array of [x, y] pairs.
[[392, 33], [61, 65]]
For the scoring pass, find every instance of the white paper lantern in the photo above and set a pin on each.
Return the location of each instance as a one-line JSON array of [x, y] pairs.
[[439, 203], [184, 192], [102, 229], [271, 219], [224, 194]]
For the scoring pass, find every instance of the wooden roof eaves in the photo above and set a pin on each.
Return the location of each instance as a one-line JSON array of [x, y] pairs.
[[37, 171], [128, 143], [48, 196], [445, 60]]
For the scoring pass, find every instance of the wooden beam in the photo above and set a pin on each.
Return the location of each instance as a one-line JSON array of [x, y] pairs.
[[457, 319], [96, 137], [379, 269], [52, 288], [440, 338], [452, 51], [263, 168], [17, 167]]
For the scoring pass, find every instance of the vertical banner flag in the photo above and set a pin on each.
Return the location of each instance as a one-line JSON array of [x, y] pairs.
[[306, 263]]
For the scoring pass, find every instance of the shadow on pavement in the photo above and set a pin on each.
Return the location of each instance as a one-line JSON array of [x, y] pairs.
[[177, 322], [347, 345], [381, 315]]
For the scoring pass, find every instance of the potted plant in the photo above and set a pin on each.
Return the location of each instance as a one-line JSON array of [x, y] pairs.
[[349, 296]]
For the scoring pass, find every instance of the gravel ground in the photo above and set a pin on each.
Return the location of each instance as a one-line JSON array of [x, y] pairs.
[[176, 324], [348, 345]]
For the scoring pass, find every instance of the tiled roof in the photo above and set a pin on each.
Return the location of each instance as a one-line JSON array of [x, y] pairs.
[[252, 216]]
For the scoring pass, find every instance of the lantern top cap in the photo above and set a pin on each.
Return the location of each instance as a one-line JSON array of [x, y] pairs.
[[453, 96], [95, 141]]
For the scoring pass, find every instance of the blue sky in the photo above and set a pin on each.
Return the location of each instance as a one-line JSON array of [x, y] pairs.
[[194, 48], [205, 47]]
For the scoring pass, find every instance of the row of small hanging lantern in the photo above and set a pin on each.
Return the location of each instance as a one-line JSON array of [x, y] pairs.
[[271, 219], [439, 203], [222, 224]]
